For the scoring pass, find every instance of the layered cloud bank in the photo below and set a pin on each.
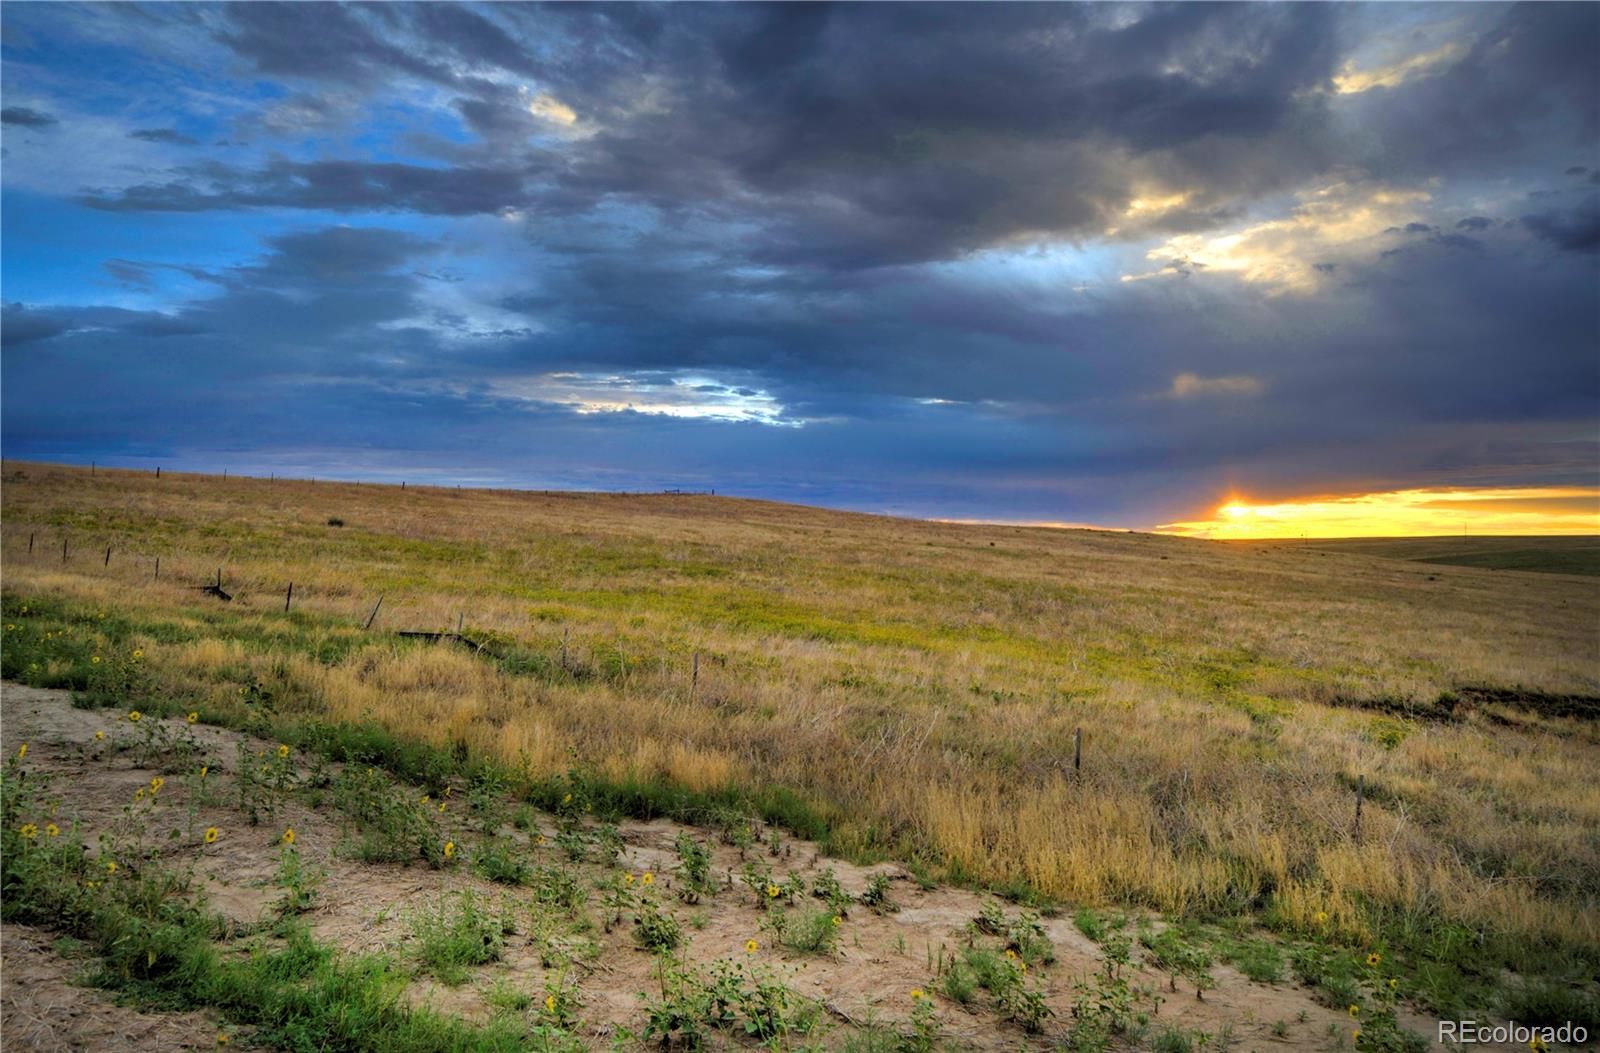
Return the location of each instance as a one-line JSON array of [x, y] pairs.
[[1062, 263]]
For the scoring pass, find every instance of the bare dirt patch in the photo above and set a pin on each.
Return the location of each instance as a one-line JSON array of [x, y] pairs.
[[880, 957], [45, 1008]]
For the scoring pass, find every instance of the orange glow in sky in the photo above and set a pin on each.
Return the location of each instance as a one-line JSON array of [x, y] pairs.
[[1406, 513]]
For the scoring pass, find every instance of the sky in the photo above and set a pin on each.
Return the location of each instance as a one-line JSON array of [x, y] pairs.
[[1224, 270]]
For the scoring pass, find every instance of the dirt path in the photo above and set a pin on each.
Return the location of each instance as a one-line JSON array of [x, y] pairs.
[[881, 958]]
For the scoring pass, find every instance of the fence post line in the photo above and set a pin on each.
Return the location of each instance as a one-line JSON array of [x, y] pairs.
[[30, 543], [374, 613], [287, 596], [108, 556], [63, 550], [158, 568], [564, 631], [461, 616], [1077, 748]]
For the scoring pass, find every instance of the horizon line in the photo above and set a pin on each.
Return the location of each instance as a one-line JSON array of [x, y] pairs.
[[678, 491]]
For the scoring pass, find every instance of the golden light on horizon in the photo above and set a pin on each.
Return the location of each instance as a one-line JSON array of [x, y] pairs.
[[1405, 513]]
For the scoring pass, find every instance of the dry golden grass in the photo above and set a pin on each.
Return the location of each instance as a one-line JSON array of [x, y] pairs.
[[918, 683]]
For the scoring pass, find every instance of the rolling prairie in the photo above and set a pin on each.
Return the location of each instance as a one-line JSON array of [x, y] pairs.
[[1552, 555], [902, 690]]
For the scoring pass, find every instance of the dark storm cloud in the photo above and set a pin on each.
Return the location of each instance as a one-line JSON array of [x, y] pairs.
[[1039, 388], [864, 155], [163, 135], [898, 228], [19, 325], [1525, 84], [855, 154], [977, 125], [130, 272], [321, 41], [1573, 230], [340, 186], [24, 117]]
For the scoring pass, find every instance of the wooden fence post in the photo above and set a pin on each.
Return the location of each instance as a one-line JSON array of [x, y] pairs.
[[63, 550], [108, 556], [374, 613], [30, 543], [158, 568], [287, 596], [1077, 748], [694, 676], [564, 632], [461, 616]]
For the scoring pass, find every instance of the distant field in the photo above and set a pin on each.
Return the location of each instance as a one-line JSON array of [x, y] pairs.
[[1547, 555], [902, 689]]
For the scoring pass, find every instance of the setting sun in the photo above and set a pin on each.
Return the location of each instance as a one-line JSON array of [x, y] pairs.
[[1406, 513]]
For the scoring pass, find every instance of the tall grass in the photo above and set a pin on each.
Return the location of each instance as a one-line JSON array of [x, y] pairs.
[[896, 687]]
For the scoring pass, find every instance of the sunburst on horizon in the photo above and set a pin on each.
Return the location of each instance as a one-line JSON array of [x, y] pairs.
[[1564, 510]]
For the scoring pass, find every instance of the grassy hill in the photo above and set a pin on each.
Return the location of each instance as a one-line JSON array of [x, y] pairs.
[[1546, 555], [896, 688]]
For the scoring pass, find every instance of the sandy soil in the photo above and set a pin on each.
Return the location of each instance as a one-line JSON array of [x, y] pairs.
[[363, 907], [45, 1009]]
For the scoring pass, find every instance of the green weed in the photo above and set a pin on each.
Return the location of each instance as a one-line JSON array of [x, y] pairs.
[[459, 931]]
